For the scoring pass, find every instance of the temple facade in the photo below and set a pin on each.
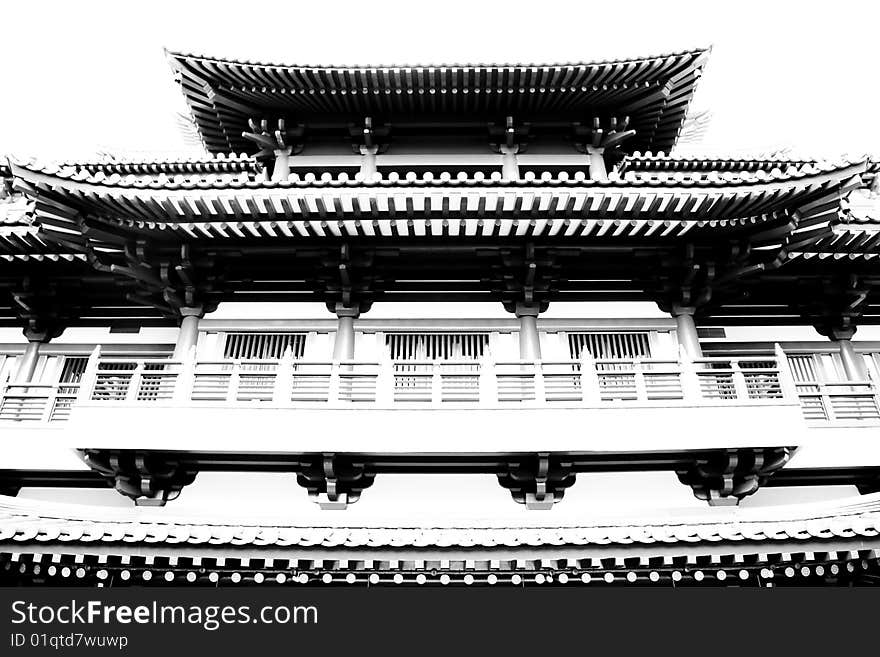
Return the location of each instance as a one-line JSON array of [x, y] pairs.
[[434, 325]]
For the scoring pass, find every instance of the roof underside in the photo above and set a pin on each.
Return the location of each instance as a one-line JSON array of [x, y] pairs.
[[653, 92]]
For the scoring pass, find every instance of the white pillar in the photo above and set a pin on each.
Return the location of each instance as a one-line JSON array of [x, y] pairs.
[[529, 339], [281, 170], [853, 363], [28, 365], [343, 345], [598, 171], [368, 162], [509, 165], [188, 335], [686, 330]]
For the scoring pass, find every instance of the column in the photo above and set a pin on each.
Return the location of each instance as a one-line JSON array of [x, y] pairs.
[[188, 335], [509, 165], [281, 170], [529, 340], [368, 162], [28, 365], [853, 363], [598, 171], [687, 330], [343, 346]]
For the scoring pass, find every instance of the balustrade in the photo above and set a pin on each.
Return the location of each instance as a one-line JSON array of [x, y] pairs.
[[290, 382], [839, 402]]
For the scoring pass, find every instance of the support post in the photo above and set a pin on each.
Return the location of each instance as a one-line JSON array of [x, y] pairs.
[[686, 330], [343, 345], [188, 336], [529, 340], [598, 170], [853, 364], [509, 165], [186, 377], [281, 170], [28, 365], [368, 162]]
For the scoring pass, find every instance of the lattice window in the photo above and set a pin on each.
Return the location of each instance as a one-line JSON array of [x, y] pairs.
[[804, 368], [437, 346], [609, 345], [71, 374], [263, 346], [73, 369]]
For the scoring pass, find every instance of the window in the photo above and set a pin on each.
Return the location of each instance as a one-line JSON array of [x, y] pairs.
[[73, 369], [609, 345], [437, 346], [263, 346]]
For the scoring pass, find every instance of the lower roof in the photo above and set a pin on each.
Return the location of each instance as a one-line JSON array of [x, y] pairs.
[[854, 521]]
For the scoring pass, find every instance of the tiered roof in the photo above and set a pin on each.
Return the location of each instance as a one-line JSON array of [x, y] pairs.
[[773, 216], [654, 92]]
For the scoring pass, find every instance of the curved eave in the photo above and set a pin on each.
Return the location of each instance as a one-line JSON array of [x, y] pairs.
[[654, 92], [26, 243], [649, 162], [249, 208], [219, 164], [850, 240], [226, 199], [854, 522]]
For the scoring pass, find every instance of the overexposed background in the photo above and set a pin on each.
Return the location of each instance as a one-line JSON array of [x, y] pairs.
[[92, 76]]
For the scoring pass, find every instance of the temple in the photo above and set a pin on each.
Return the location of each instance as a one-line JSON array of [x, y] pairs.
[[438, 325]]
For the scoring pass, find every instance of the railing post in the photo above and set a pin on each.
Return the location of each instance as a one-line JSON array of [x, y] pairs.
[[827, 400], [786, 380], [874, 390], [540, 392], [90, 375], [385, 383], [436, 384], [591, 390], [690, 379], [49, 403], [134, 382], [639, 380], [284, 379], [333, 392], [234, 381], [739, 381], [186, 377], [488, 382]]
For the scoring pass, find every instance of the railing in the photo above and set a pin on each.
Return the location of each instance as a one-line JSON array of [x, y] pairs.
[[289, 382], [848, 402], [37, 401]]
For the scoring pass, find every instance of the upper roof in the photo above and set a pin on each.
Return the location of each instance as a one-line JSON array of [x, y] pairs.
[[654, 92]]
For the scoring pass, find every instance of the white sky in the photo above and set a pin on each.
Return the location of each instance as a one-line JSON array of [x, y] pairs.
[[84, 76]]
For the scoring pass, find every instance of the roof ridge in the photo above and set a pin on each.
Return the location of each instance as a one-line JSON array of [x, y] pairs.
[[180, 55]]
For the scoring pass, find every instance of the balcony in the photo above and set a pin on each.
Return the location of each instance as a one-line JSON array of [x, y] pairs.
[[381, 406], [478, 384]]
